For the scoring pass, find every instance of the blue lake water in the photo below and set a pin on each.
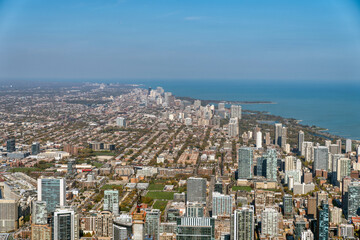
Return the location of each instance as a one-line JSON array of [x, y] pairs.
[[331, 105]]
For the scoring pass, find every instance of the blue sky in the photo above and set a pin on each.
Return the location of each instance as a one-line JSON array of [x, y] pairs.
[[180, 39]]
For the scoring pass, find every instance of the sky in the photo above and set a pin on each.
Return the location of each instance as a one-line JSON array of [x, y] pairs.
[[180, 39]]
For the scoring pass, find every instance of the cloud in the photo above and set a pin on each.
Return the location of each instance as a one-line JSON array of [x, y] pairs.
[[192, 18]]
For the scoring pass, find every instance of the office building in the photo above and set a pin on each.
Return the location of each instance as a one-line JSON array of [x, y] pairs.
[[52, 191], [269, 222], [10, 145], [66, 224], [189, 228], [111, 201], [233, 127], [121, 121], [278, 134], [348, 145], [245, 163], [35, 148], [235, 111], [288, 205], [196, 189], [222, 205], [39, 213], [242, 224], [322, 226], [321, 158], [152, 223], [301, 139], [8, 215]]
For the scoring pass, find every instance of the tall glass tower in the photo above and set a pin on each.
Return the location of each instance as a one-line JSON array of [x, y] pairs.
[[52, 191], [245, 162]]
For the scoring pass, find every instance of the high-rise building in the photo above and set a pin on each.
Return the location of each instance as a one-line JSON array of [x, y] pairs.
[[195, 209], [288, 205], [242, 224], [269, 222], [121, 121], [52, 191], [307, 235], [222, 205], [346, 231], [71, 170], [283, 138], [35, 148], [321, 158], [235, 111], [152, 223], [258, 139], [233, 127], [196, 189], [334, 149], [10, 145], [245, 162], [348, 145], [335, 215], [352, 200], [111, 201], [120, 232], [41, 232], [39, 213], [339, 143], [8, 215], [343, 170], [278, 134], [308, 151], [104, 224], [299, 228], [189, 228], [221, 106], [271, 164], [322, 226], [301, 139], [267, 139], [66, 224]]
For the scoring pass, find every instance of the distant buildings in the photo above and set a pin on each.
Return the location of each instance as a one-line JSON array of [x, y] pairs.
[[121, 121], [348, 145], [10, 145], [233, 127], [321, 158], [35, 148], [280, 135], [258, 139], [301, 139], [267, 165], [235, 111]]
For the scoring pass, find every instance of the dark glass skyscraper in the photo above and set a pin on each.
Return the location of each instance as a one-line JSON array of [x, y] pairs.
[[10, 145], [322, 227]]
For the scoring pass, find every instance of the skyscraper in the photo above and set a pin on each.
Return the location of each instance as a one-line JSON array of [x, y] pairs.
[[245, 162], [195, 209], [222, 204], [35, 148], [104, 224], [352, 200], [322, 226], [343, 170], [233, 127], [111, 201], [271, 164], [52, 191], [269, 222], [242, 224], [301, 139], [283, 137], [307, 151], [189, 228], [236, 111], [348, 146], [196, 189], [10, 145], [152, 223], [8, 215], [258, 139], [278, 134], [321, 158], [39, 213], [66, 225], [288, 205]]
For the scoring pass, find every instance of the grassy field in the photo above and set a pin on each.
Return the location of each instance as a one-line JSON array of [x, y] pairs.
[[97, 164], [161, 195], [104, 153], [154, 186], [111, 187], [242, 188], [25, 170], [160, 205]]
